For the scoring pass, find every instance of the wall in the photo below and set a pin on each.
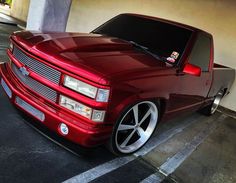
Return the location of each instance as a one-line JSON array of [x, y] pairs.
[[215, 16], [19, 9]]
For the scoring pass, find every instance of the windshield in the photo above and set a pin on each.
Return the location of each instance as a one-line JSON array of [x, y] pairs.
[[166, 40]]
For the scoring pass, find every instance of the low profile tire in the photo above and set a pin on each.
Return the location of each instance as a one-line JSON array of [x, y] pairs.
[[211, 109], [134, 128]]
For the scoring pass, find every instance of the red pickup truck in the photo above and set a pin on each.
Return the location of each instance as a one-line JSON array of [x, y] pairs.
[[115, 84]]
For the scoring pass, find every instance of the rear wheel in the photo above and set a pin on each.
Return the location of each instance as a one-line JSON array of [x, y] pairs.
[[134, 128], [211, 109]]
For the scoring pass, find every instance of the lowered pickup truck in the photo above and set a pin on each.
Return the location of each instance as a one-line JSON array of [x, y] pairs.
[[117, 83]]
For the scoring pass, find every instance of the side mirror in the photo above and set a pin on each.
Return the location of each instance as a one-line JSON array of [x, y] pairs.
[[192, 70]]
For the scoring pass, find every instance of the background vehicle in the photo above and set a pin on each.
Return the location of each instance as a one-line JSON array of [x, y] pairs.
[[116, 83]]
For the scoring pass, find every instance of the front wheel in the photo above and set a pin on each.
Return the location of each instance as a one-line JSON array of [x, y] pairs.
[[134, 128]]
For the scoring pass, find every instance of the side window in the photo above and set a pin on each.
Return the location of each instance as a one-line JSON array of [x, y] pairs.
[[200, 55]]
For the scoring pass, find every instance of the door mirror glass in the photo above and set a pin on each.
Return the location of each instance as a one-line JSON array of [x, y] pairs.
[[192, 70]]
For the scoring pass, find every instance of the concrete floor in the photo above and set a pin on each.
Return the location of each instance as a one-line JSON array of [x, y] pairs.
[[213, 160], [188, 149]]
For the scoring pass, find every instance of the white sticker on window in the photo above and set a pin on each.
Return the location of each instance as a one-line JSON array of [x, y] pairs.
[[174, 55]]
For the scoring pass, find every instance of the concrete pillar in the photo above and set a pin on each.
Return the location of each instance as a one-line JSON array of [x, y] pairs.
[[48, 15]]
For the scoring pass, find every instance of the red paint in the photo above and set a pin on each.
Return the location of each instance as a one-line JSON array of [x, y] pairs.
[[110, 63]]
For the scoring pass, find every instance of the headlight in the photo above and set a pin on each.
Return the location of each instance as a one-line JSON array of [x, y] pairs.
[[80, 86], [102, 95], [96, 115], [75, 107]]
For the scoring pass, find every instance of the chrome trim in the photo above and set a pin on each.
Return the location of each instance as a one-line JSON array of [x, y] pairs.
[[30, 109], [35, 85], [6, 88], [216, 102], [40, 68]]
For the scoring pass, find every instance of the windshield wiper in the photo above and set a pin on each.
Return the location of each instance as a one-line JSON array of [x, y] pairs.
[[145, 49]]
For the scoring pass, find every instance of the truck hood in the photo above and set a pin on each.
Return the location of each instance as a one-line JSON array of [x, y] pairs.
[[95, 57]]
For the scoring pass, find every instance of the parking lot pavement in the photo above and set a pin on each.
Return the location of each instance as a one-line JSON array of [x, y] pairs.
[[192, 148], [214, 161]]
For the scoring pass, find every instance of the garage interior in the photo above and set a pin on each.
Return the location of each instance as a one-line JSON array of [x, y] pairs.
[[191, 148]]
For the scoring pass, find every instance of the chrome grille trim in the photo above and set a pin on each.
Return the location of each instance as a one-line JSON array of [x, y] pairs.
[[38, 67], [35, 85]]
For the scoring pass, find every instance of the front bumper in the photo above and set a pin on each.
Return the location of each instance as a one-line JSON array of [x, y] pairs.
[[85, 135]]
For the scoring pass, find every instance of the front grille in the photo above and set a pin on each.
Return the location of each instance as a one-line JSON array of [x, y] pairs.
[[35, 85], [36, 66]]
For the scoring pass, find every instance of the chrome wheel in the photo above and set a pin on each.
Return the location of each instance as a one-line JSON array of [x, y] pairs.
[[216, 102], [136, 127]]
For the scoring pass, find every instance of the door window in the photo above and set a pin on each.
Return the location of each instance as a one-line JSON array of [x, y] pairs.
[[200, 55]]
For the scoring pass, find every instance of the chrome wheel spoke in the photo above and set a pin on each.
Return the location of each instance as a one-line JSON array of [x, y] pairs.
[[135, 111], [141, 132], [125, 127], [145, 116], [127, 139]]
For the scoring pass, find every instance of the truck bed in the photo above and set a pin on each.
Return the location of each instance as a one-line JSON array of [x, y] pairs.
[[223, 79], [219, 66]]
